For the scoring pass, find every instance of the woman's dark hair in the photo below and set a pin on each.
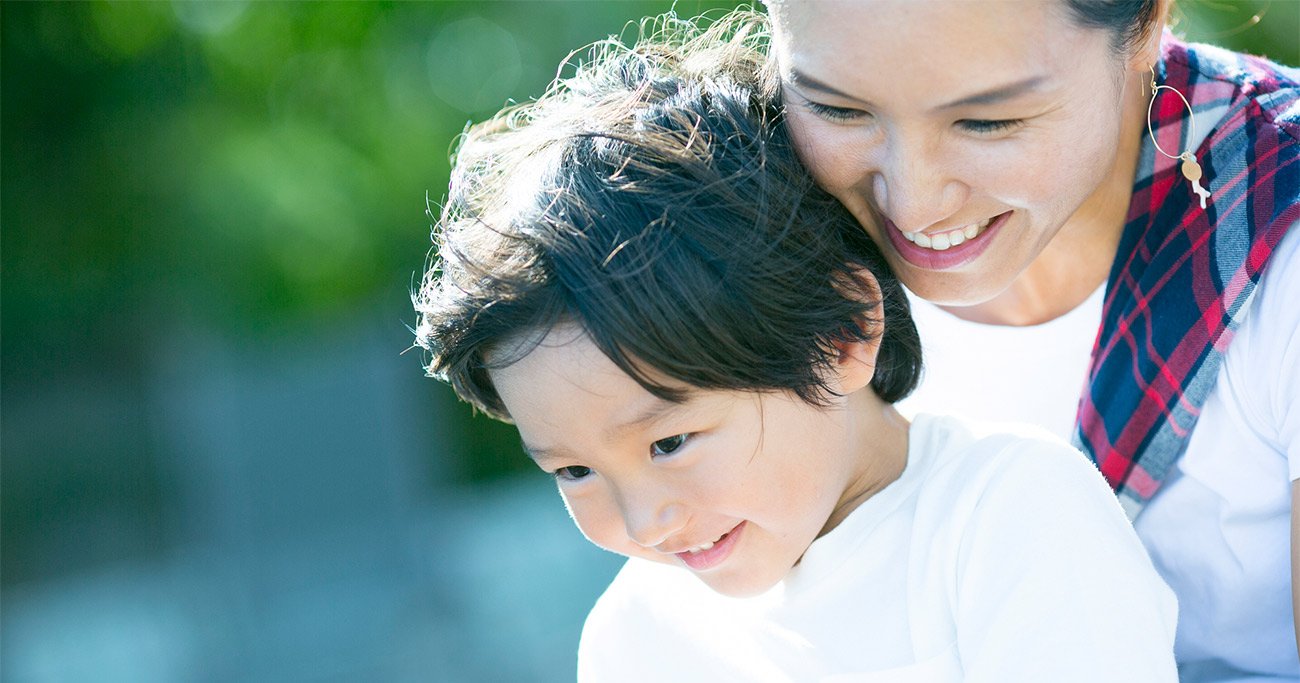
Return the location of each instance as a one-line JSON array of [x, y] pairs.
[[654, 199], [1128, 21]]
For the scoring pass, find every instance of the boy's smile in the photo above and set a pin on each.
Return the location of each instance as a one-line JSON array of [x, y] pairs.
[[731, 485], [713, 553]]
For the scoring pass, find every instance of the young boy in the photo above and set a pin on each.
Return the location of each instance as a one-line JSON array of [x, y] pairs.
[[703, 348]]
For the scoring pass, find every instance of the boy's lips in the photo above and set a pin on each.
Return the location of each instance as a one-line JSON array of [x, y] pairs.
[[925, 256], [714, 553]]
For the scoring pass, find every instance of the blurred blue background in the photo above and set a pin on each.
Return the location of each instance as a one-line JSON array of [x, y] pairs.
[[217, 463]]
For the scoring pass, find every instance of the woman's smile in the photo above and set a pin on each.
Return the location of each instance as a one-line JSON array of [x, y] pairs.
[[947, 249]]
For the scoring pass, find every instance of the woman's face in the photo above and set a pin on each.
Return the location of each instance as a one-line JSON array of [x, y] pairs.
[[963, 135]]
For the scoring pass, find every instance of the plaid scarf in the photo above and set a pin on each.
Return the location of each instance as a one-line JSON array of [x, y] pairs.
[[1184, 276]]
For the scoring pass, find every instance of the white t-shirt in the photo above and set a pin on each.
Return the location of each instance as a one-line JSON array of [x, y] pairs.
[[1219, 528], [991, 559]]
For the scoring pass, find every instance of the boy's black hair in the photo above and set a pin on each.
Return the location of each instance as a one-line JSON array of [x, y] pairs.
[[655, 200]]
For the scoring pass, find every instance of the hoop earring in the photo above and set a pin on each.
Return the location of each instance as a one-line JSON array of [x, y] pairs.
[[1191, 170]]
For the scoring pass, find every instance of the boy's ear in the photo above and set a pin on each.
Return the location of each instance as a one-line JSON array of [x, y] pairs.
[[855, 362]]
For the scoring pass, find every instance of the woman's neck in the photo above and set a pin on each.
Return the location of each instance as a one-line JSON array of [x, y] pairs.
[[1079, 258]]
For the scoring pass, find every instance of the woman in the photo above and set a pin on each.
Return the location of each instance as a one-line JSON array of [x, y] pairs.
[[1003, 157]]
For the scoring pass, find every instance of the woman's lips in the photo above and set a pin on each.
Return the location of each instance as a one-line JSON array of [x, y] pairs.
[[705, 559], [955, 255]]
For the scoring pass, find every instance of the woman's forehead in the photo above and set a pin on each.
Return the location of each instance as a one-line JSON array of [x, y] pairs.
[[934, 51]]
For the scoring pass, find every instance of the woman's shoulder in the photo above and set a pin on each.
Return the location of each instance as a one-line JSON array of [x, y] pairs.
[[1253, 73], [1273, 88]]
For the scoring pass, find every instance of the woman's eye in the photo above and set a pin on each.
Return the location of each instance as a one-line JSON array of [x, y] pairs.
[[984, 127], [834, 113], [572, 473], [667, 446]]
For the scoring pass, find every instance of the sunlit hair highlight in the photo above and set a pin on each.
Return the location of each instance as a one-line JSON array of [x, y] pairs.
[[653, 198]]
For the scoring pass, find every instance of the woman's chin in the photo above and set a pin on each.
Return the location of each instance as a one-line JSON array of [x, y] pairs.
[[952, 289]]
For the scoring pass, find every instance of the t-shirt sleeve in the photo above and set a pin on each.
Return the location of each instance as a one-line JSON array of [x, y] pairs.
[[1052, 581], [1277, 317], [1263, 361]]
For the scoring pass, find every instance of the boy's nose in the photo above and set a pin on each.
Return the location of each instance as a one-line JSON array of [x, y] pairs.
[[651, 523]]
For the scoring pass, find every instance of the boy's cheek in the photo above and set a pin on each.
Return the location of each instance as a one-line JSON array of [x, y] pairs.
[[600, 525], [604, 527]]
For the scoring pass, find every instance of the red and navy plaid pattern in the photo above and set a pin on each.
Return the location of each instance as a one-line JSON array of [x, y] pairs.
[[1184, 277]]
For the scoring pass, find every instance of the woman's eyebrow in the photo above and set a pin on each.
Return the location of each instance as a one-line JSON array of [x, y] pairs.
[[805, 81], [998, 94], [992, 96]]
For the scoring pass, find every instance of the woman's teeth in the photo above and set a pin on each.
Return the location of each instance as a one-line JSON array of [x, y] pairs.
[[948, 238]]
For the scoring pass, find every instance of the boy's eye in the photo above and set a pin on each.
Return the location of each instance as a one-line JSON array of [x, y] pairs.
[[834, 113], [667, 446], [573, 473], [984, 126]]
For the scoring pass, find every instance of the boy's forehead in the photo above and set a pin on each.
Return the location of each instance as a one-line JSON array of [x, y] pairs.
[[564, 382], [548, 358], [519, 346], [566, 351]]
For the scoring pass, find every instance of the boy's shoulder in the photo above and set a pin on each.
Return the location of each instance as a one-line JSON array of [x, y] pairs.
[[977, 466], [964, 451]]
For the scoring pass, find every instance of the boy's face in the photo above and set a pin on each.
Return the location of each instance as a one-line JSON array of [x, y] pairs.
[[758, 476]]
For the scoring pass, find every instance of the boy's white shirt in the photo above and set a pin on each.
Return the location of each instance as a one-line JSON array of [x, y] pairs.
[[994, 557], [1219, 528]]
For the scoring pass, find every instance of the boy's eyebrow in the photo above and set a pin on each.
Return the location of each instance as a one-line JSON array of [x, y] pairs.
[[652, 413], [536, 454], [658, 410], [541, 455]]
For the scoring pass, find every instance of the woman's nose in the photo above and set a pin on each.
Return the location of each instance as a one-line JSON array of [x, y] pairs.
[[915, 190]]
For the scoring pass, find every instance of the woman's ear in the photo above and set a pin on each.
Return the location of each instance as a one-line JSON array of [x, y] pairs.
[[855, 361], [1147, 50]]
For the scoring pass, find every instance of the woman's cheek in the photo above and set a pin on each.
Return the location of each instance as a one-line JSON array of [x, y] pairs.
[[1077, 152], [826, 150], [1020, 174]]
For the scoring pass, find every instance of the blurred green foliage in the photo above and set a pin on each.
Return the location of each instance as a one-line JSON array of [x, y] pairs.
[[240, 166], [254, 167], [246, 169]]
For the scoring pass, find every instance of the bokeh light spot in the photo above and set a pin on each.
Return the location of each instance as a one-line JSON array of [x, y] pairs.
[[474, 64]]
